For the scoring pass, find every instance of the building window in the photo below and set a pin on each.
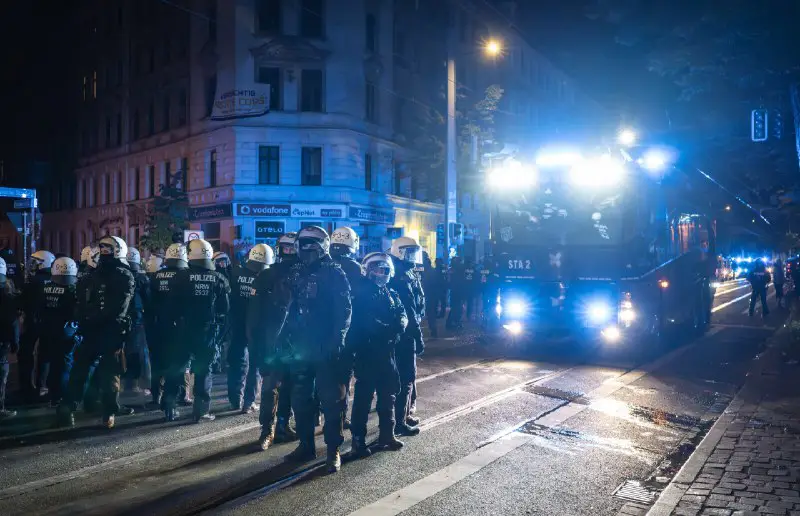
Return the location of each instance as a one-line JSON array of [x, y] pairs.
[[94, 84], [211, 233], [211, 91], [371, 33], [118, 135], [311, 166], [371, 99], [136, 180], [368, 171], [151, 180], [135, 124], [151, 118], [183, 175], [311, 86], [211, 180], [271, 76], [182, 100], [268, 15], [119, 187], [108, 132], [269, 164], [312, 21], [168, 173], [165, 113]]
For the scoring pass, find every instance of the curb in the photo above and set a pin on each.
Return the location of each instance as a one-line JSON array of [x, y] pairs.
[[671, 496]]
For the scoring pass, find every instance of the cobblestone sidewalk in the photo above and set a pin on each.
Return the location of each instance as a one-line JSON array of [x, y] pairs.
[[754, 467]]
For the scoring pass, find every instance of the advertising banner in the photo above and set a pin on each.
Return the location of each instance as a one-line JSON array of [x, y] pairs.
[[317, 211], [262, 210], [244, 103]]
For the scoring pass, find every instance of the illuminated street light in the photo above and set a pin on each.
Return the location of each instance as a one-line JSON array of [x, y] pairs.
[[493, 47], [653, 160], [626, 137], [728, 207]]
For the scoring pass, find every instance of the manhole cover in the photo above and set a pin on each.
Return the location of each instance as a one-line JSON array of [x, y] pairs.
[[634, 491]]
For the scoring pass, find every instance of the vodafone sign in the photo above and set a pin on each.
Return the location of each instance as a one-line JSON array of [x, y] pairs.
[[262, 210]]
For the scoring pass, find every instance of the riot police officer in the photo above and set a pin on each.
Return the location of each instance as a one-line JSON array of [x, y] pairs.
[[136, 344], [104, 298], [267, 309], [407, 253], [154, 264], [317, 323], [31, 380], [204, 298], [243, 371], [379, 320], [9, 335], [59, 325], [223, 264], [344, 247], [167, 287]]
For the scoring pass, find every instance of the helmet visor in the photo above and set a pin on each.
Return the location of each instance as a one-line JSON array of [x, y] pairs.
[[411, 254]]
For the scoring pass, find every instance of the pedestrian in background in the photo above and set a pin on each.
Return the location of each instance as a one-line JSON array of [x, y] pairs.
[[759, 278], [779, 279]]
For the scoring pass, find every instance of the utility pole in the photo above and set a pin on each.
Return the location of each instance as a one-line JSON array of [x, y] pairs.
[[451, 178]]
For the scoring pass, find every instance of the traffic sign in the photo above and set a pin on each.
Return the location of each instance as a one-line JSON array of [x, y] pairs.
[[192, 234], [26, 203]]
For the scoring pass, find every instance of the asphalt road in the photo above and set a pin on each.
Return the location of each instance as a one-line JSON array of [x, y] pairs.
[[555, 432]]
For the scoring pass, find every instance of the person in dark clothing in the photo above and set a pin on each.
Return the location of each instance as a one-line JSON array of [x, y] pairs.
[[167, 286], [344, 247], [458, 293], [244, 378], [88, 263], [316, 326], [59, 331], [759, 279], [379, 320], [32, 378], [442, 293], [203, 295], [430, 285], [223, 264], [269, 300], [104, 298], [406, 254], [154, 264], [779, 279], [471, 287], [136, 353], [9, 335]]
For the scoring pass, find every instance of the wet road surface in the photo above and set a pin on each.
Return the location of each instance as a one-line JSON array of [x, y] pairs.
[[560, 431]]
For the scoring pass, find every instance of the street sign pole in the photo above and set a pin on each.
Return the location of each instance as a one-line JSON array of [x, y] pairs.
[[25, 244]]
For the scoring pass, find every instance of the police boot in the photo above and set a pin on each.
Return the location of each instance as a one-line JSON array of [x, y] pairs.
[[266, 439], [283, 432], [65, 418], [412, 421], [360, 448], [404, 429], [388, 441], [171, 414], [303, 453], [334, 460], [109, 421]]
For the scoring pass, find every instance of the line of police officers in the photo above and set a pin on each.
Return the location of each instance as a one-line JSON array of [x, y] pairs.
[[301, 326]]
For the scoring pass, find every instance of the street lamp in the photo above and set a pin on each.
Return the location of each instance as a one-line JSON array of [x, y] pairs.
[[626, 137], [728, 207], [492, 48]]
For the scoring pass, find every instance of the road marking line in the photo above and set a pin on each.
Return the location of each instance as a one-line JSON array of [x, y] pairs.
[[411, 495], [725, 305], [458, 369], [720, 292], [745, 327], [123, 461]]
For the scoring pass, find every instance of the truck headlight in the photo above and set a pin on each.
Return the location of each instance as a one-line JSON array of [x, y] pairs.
[[626, 313], [599, 312], [514, 327], [516, 308]]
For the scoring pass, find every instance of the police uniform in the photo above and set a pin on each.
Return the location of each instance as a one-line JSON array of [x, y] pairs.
[[59, 334], [166, 292], [31, 301], [135, 345], [9, 334], [243, 372]]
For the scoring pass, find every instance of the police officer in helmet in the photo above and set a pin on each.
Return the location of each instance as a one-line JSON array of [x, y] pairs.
[[267, 309], [104, 298], [407, 254], [88, 263], [9, 335], [243, 370], [317, 323], [59, 331], [379, 320], [204, 311], [39, 274]]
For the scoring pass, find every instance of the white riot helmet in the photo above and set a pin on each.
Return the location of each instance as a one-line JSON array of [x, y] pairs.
[[312, 244], [134, 256], [344, 242], [221, 260], [407, 249], [64, 271], [113, 247], [177, 256], [3, 267], [42, 260], [378, 268], [262, 254], [200, 253], [286, 245], [154, 263]]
